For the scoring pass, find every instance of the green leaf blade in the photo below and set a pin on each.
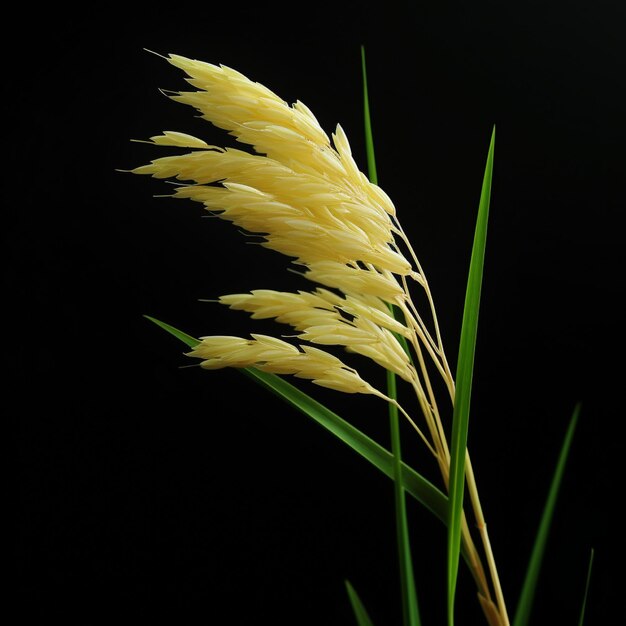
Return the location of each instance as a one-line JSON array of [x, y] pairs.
[[369, 136], [581, 619], [415, 484], [464, 376], [192, 342], [361, 615], [527, 595]]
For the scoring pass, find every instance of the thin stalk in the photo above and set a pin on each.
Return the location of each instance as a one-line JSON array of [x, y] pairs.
[[427, 337], [416, 326], [430, 422], [443, 460], [410, 611], [442, 455], [433, 404], [484, 535], [431, 414], [581, 620], [436, 428], [414, 425], [424, 284]]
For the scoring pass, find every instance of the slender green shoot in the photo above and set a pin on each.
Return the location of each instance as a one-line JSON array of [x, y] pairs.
[[192, 342], [581, 620], [464, 375], [369, 136], [362, 617], [527, 596], [410, 610]]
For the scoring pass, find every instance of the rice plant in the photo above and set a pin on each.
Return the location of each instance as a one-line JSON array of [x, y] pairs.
[[302, 194]]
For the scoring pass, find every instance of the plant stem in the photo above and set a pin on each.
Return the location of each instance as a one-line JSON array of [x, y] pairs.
[[410, 611], [435, 426], [484, 535]]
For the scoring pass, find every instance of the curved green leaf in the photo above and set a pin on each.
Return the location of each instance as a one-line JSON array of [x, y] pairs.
[[362, 617], [192, 342], [581, 619], [415, 484], [527, 596]]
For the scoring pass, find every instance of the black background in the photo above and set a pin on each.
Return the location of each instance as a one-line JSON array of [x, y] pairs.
[[149, 493]]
